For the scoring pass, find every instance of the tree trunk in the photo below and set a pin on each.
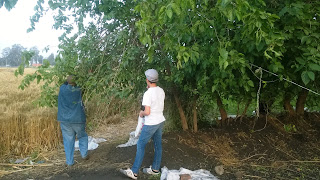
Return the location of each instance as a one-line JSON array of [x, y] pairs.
[[287, 106], [223, 112], [176, 98], [238, 108], [245, 110], [195, 119], [181, 112], [301, 101]]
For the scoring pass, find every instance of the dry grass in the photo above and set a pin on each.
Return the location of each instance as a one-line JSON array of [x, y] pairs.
[[24, 128], [219, 147], [116, 131]]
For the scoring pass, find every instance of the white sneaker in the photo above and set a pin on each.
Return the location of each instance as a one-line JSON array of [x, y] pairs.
[[149, 171], [128, 172]]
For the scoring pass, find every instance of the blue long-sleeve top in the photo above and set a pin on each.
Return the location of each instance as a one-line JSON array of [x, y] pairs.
[[70, 106]]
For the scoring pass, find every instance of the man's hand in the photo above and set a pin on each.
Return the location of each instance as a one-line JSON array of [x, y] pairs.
[[141, 114]]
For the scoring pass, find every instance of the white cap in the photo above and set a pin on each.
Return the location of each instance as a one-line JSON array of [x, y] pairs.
[[152, 75]]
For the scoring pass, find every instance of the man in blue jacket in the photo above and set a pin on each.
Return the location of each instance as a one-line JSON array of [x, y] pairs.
[[72, 118]]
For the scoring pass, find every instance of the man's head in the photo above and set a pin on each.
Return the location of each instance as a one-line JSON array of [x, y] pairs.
[[70, 80], [151, 75]]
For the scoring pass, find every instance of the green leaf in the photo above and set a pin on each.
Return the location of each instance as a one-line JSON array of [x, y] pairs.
[[274, 67], [38, 79], [301, 61], [264, 85], [192, 3], [314, 67], [223, 53], [246, 88], [16, 73], [21, 69], [230, 15], [162, 9], [201, 28], [169, 12], [214, 88], [186, 56], [311, 75], [250, 83], [238, 15], [305, 77], [176, 8], [304, 39], [283, 11], [267, 55], [225, 64], [258, 24], [260, 46]]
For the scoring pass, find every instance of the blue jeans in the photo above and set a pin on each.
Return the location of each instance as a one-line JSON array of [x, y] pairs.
[[69, 132], [148, 132]]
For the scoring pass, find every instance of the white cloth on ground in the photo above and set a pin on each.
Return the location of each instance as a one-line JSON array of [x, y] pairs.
[[134, 135], [132, 140], [200, 174], [93, 143]]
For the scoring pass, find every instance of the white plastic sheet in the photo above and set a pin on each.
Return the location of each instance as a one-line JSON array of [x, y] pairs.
[[200, 174], [229, 116], [132, 140], [93, 143], [139, 126], [134, 135]]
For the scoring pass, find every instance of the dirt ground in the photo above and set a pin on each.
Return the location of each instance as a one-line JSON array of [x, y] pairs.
[[247, 149]]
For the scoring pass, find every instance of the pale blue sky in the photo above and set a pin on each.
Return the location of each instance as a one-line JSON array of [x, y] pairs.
[[14, 25]]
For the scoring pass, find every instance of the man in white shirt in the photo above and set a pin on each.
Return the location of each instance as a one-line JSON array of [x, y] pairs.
[[153, 101]]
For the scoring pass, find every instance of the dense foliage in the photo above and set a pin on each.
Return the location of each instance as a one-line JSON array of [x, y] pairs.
[[207, 51]]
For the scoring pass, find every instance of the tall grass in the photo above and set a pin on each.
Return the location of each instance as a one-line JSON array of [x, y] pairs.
[[24, 127]]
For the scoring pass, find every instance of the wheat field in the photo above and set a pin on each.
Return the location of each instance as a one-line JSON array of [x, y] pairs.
[[24, 127]]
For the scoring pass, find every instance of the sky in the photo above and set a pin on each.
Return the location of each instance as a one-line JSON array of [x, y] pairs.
[[14, 25]]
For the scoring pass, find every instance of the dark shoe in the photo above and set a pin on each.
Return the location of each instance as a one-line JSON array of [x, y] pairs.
[[86, 158], [68, 167]]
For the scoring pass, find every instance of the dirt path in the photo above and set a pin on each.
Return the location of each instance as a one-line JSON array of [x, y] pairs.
[[105, 162], [268, 154]]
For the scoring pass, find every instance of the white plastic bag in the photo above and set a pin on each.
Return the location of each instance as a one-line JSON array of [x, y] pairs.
[[139, 126], [200, 174], [131, 142], [93, 143]]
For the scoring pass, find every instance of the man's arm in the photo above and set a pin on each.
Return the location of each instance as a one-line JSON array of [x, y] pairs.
[[146, 111]]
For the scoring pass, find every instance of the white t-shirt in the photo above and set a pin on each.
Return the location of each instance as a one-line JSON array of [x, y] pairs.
[[154, 97]]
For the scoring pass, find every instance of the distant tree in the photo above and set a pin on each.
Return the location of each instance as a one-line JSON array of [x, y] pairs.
[[40, 59], [2, 62], [36, 57], [13, 56], [5, 53], [51, 59]]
